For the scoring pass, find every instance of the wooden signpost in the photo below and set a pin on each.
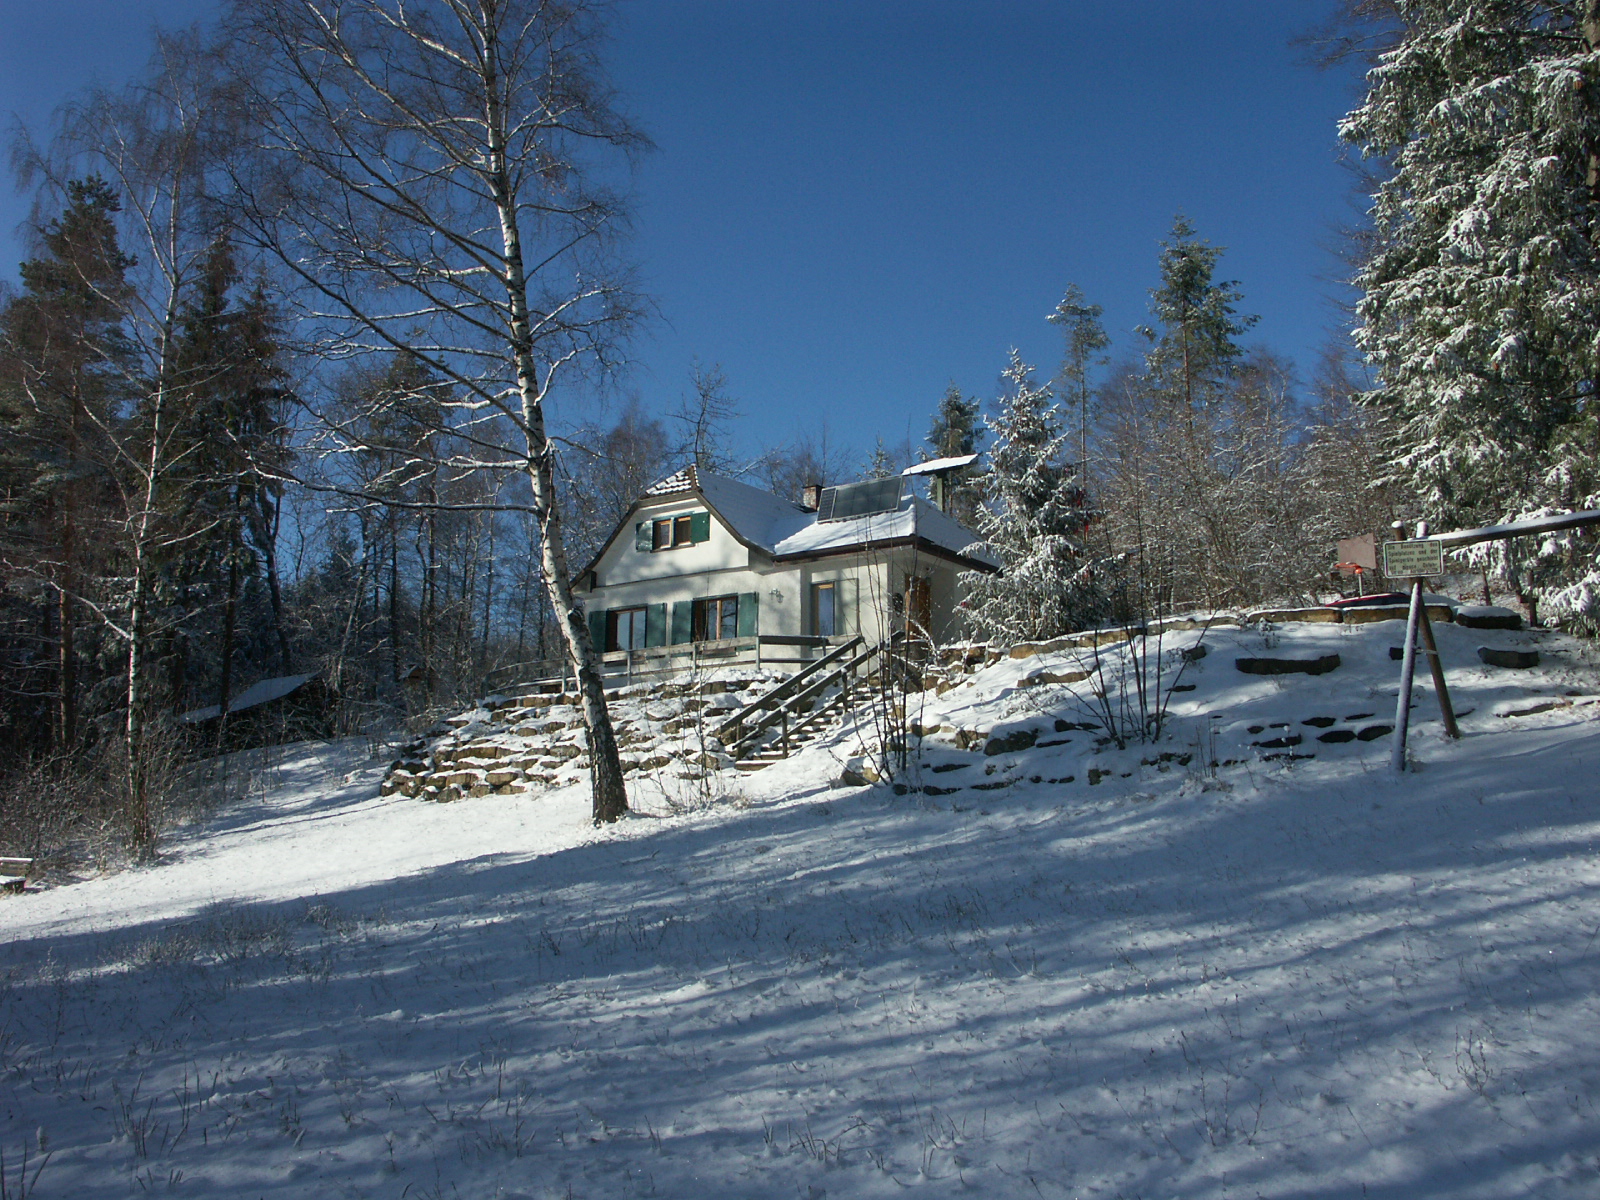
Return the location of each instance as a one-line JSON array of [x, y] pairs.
[[1410, 558]]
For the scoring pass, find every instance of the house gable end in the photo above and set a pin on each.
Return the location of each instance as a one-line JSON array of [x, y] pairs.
[[631, 554]]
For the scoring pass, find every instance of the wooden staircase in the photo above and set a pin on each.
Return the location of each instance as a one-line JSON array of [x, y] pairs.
[[810, 703]]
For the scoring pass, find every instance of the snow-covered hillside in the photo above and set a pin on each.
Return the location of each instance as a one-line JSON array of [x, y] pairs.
[[1292, 976]]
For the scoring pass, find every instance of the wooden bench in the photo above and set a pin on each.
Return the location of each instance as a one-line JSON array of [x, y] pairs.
[[14, 873]]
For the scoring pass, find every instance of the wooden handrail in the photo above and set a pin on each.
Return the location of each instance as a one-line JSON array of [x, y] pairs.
[[782, 710]]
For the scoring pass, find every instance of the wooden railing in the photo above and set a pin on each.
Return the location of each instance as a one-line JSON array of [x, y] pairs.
[[793, 705], [766, 650]]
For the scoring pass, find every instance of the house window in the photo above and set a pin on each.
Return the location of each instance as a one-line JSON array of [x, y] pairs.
[[716, 618], [824, 609], [674, 531], [668, 533], [627, 629]]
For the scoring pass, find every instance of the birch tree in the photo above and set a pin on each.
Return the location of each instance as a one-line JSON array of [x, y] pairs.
[[436, 176]]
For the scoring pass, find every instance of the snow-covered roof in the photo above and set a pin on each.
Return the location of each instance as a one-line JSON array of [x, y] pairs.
[[757, 517], [785, 529], [263, 692], [914, 519], [681, 481], [934, 465]]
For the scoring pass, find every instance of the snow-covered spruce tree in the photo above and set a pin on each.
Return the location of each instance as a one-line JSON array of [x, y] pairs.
[[1481, 305], [1033, 522], [957, 425]]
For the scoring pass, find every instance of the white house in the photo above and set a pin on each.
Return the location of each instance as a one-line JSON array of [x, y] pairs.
[[704, 566]]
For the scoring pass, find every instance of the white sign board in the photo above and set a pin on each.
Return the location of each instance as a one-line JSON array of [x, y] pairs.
[[1407, 560], [1358, 552]]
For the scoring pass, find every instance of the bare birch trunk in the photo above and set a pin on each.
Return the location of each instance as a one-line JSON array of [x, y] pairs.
[[67, 669], [605, 765], [141, 814], [230, 621]]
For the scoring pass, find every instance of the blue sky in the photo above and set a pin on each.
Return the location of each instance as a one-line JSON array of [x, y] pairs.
[[853, 204]]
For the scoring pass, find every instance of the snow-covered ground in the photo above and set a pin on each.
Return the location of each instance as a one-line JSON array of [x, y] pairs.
[[1287, 977]]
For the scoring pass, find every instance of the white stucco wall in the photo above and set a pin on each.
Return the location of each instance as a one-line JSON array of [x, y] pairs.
[[623, 563]]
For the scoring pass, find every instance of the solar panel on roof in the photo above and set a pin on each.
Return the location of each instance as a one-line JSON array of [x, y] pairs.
[[859, 499]]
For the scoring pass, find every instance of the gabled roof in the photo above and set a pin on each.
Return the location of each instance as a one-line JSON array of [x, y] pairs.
[[783, 529], [757, 518]]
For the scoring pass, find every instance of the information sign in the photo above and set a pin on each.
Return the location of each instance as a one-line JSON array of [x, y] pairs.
[[1407, 560]]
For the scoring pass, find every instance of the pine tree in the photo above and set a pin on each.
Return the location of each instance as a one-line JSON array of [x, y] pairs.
[[64, 355], [1085, 338], [958, 429], [1481, 299], [881, 464], [221, 491], [1182, 439], [1192, 349], [1033, 523], [957, 425]]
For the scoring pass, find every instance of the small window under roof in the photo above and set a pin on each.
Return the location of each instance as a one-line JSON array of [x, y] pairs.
[[859, 499]]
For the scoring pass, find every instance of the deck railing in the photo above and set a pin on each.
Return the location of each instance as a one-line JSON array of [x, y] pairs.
[[780, 651]]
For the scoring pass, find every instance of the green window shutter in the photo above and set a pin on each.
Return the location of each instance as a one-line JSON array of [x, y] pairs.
[[597, 630], [682, 622], [655, 625], [643, 536], [700, 527], [749, 613]]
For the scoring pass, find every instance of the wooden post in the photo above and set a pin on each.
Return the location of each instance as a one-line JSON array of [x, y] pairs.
[[1408, 665], [1435, 663], [1436, 666]]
